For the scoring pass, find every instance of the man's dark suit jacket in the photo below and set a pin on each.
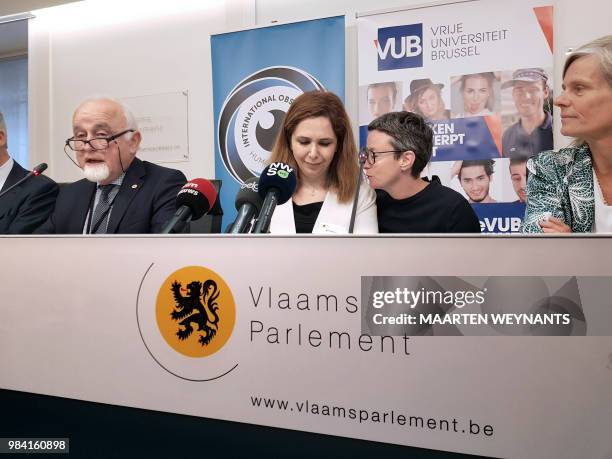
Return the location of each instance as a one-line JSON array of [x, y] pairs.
[[27, 206], [146, 200]]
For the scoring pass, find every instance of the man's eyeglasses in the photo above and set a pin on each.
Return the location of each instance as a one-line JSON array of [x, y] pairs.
[[97, 143], [370, 156]]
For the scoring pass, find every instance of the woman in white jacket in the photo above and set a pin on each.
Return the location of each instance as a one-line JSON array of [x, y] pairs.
[[317, 141]]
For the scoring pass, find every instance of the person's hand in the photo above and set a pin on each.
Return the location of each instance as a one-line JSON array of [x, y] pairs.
[[455, 169], [554, 225]]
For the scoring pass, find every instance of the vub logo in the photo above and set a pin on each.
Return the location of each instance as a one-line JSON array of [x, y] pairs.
[[281, 169], [400, 47]]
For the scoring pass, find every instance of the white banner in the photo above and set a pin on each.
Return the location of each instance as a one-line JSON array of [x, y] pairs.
[[264, 330], [481, 73]]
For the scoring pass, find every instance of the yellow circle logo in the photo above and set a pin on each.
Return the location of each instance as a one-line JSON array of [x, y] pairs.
[[195, 311]]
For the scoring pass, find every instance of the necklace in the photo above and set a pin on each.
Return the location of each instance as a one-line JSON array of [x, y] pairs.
[[307, 195]]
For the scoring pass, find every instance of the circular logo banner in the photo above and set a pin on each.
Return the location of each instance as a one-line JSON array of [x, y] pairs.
[[185, 320], [252, 115], [195, 311]]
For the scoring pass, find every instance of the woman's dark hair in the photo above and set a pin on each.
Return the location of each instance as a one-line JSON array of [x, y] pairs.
[[408, 131]]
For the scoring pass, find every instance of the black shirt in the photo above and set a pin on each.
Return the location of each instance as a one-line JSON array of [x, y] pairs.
[[435, 209], [305, 216]]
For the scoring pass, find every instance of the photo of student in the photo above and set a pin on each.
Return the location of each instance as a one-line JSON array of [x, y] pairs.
[[475, 177], [425, 99], [382, 98], [500, 186], [518, 175], [532, 132], [475, 94]]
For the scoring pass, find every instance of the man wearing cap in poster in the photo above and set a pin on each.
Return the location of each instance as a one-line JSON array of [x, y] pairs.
[[425, 99], [532, 133]]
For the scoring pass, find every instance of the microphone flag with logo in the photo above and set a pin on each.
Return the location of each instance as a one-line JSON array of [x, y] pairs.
[[248, 205], [194, 200]]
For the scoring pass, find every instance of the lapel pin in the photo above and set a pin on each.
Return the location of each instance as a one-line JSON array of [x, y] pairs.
[[134, 186]]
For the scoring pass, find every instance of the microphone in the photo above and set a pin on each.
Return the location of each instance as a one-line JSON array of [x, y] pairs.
[[33, 173], [39, 169], [194, 199], [277, 184], [248, 204]]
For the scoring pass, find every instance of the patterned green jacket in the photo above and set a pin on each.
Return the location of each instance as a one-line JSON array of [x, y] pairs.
[[560, 184]]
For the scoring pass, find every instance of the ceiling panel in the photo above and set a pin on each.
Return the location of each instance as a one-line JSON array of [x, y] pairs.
[[14, 35], [19, 6]]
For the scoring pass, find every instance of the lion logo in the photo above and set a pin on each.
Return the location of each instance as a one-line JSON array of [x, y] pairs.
[[190, 310], [195, 311]]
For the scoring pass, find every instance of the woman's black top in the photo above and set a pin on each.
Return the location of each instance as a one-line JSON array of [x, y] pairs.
[[305, 216]]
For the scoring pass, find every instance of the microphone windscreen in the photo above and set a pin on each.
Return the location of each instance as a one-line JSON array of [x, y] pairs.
[[197, 194], [248, 195], [280, 176], [40, 169]]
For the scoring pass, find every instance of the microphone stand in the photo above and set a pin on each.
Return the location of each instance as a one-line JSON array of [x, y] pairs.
[[354, 210], [32, 173]]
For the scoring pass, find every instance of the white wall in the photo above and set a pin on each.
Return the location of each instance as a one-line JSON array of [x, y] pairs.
[[138, 47], [121, 49]]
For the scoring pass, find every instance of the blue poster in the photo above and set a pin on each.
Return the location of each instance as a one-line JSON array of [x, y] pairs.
[[503, 217], [257, 74]]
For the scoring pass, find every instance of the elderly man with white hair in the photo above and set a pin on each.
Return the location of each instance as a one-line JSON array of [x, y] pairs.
[[120, 193], [24, 206]]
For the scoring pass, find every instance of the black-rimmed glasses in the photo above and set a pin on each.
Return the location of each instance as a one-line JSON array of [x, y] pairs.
[[370, 156], [97, 143]]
